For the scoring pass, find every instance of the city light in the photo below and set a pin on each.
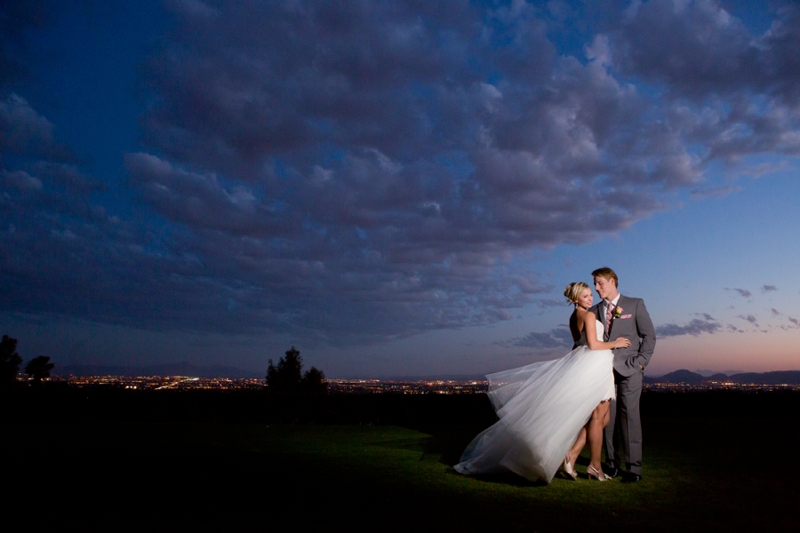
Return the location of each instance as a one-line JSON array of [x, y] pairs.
[[372, 386]]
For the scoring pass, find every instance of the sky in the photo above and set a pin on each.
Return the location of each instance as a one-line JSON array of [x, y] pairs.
[[397, 188]]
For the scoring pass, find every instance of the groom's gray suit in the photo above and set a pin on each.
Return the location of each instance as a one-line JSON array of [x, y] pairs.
[[625, 428]]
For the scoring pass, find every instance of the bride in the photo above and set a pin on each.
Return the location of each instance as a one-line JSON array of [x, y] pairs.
[[548, 410]]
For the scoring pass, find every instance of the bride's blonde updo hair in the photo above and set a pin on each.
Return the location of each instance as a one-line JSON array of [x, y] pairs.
[[574, 290]]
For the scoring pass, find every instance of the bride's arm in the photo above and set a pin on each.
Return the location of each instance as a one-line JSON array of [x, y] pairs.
[[591, 335]]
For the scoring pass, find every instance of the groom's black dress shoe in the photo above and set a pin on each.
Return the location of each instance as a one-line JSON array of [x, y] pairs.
[[610, 471], [631, 478]]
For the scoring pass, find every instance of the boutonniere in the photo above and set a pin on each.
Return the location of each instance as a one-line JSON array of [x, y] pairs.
[[618, 312]]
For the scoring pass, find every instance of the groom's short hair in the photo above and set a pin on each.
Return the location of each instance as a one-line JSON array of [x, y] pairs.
[[607, 273]]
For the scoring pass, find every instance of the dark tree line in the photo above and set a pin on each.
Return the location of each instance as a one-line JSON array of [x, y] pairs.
[[9, 361], [287, 375], [37, 368]]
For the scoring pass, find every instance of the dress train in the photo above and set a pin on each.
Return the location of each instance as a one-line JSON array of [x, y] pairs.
[[542, 407]]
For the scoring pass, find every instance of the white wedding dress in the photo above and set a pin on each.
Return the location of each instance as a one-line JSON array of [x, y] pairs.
[[542, 407]]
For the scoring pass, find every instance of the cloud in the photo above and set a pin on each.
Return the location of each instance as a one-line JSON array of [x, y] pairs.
[[21, 180], [555, 338], [203, 201], [749, 318], [695, 327], [550, 302], [232, 272], [710, 65], [775, 312], [763, 169], [794, 321], [397, 166], [697, 48], [715, 191], [768, 288], [354, 171], [17, 16], [692, 47], [26, 133], [744, 293]]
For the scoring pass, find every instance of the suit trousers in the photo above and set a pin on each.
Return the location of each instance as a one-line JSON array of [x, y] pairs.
[[624, 430]]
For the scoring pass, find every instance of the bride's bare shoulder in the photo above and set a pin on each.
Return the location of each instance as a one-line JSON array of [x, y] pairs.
[[582, 314], [579, 319]]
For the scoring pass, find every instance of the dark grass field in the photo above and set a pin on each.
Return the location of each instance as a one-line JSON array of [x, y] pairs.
[[712, 463]]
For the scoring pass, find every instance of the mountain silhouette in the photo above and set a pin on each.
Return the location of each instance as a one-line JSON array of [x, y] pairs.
[[789, 377]]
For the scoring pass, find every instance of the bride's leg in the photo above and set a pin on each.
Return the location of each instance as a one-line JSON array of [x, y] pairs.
[[580, 442], [597, 423]]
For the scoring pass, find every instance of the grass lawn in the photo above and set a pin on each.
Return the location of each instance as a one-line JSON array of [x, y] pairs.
[[700, 474]]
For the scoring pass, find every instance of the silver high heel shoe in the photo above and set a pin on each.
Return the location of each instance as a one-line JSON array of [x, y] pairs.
[[594, 474], [567, 468]]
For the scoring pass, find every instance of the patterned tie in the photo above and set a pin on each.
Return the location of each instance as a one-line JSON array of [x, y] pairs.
[[609, 315]]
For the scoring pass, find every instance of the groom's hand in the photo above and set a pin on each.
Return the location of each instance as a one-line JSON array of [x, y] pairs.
[[633, 363]]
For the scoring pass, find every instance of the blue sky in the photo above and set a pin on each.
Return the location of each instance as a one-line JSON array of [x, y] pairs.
[[394, 188]]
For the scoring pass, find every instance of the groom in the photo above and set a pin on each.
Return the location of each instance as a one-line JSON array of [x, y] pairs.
[[624, 317]]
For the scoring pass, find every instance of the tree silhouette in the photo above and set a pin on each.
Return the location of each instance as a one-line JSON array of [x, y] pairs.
[[314, 380], [9, 361], [39, 368], [287, 375]]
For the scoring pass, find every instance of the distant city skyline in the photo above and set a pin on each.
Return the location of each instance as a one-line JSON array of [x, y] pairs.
[[679, 381], [396, 189], [230, 372]]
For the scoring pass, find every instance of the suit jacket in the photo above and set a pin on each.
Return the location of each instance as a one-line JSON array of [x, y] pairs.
[[634, 324]]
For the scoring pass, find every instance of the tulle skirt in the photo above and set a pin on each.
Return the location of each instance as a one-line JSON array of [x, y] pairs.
[[542, 407]]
